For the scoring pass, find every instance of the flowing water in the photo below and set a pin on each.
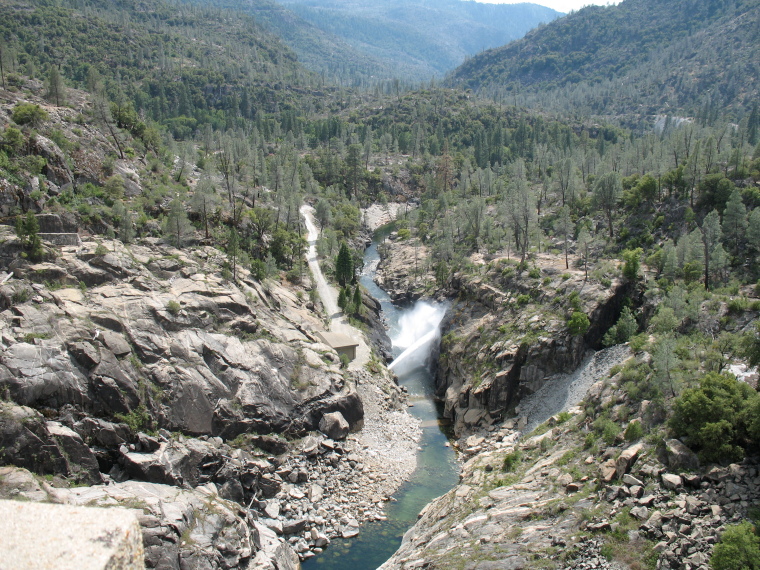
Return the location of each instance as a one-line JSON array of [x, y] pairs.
[[413, 331]]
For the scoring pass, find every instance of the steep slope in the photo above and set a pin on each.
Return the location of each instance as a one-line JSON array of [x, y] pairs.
[[638, 56], [318, 50], [420, 39], [181, 66]]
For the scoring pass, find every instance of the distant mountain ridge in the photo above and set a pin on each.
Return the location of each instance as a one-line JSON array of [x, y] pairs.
[[413, 40], [638, 56]]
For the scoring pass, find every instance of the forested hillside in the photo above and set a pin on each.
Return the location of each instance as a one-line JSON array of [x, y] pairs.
[[319, 50], [181, 66], [639, 57], [420, 39], [178, 142]]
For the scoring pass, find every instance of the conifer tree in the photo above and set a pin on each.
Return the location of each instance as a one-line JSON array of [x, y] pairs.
[[344, 267], [56, 91], [711, 235], [357, 301], [735, 220]]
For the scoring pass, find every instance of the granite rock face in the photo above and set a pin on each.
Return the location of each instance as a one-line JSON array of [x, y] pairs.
[[154, 333]]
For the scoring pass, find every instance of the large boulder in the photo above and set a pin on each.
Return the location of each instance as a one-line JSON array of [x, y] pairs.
[[50, 448], [680, 457], [334, 426], [184, 463]]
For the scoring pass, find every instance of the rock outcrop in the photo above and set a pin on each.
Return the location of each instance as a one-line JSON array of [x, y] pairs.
[[154, 332]]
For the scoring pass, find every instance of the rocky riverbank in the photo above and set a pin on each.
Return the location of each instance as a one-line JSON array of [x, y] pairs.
[[138, 373], [554, 501]]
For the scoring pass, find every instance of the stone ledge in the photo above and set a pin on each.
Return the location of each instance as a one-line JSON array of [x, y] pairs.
[[42, 535]]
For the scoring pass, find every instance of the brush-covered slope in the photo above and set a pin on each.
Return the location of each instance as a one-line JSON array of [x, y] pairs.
[[419, 39], [638, 56], [181, 66]]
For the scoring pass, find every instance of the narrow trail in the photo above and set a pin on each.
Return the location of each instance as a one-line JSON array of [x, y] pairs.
[[566, 390], [329, 295]]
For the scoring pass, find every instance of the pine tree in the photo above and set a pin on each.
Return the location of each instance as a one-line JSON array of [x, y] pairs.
[[344, 267], [606, 195], [177, 226], [56, 91], [342, 299], [711, 235], [357, 301], [564, 227], [735, 220]]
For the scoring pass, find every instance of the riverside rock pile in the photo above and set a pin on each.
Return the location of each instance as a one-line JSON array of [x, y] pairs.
[[551, 498]]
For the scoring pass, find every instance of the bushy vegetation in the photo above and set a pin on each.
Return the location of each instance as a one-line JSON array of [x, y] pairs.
[[719, 418], [738, 549]]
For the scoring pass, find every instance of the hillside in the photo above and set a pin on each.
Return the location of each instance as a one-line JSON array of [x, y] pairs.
[[641, 56], [416, 40], [175, 64]]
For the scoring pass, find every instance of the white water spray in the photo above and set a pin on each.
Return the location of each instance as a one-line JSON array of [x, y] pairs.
[[418, 329]]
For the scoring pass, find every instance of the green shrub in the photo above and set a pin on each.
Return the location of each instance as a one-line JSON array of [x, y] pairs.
[[523, 299], [632, 263], [606, 429], [137, 420], [737, 306], [578, 324], [173, 307], [717, 418], [511, 460], [258, 270], [738, 549], [634, 431], [28, 114], [623, 330], [534, 273]]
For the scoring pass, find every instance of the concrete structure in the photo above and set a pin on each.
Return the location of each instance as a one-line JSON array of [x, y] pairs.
[[340, 342], [62, 537]]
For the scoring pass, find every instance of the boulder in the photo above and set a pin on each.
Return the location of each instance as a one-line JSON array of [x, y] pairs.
[[191, 463], [627, 458], [670, 481], [679, 456], [334, 426], [26, 441], [608, 470], [102, 432], [82, 464]]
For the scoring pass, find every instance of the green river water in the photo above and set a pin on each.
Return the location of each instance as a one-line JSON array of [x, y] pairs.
[[436, 472]]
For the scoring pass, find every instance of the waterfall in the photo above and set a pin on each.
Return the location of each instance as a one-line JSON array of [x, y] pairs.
[[417, 330]]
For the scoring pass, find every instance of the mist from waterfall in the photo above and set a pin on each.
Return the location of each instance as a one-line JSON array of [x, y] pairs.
[[418, 329]]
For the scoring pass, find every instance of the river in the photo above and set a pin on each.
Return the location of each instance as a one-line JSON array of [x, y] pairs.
[[437, 470]]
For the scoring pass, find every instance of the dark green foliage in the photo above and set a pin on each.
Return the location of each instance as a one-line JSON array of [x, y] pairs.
[[342, 301], [738, 549], [357, 300], [28, 114], [751, 346], [12, 140], [581, 59], [623, 330], [27, 231], [632, 260], [511, 461], [717, 418], [344, 266], [634, 431], [578, 324]]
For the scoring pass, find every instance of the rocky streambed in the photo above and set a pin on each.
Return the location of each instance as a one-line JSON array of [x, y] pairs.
[[137, 373]]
